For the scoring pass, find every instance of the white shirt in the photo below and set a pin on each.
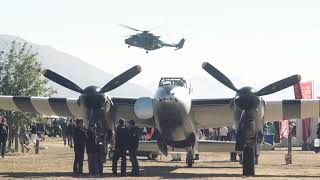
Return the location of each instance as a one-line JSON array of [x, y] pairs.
[[224, 131]]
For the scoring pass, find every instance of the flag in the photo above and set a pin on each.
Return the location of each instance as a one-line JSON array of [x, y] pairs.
[[303, 90]]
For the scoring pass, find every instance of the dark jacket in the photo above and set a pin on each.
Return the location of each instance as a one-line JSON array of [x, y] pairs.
[[134, 135], [34, 129], [79, 138], [122, 138], [91, 142], [3, 132]]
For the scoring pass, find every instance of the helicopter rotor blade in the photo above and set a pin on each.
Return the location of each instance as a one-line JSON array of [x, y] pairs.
[[130, 27], [61, 80], [279, 85], [214, 72], [121, 79]]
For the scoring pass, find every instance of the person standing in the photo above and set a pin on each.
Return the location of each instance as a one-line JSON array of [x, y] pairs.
[[121, 146], [133, 147], [23, 139], [3, 136], [223, 134], [33, 132], [92, 149], [79, 146]]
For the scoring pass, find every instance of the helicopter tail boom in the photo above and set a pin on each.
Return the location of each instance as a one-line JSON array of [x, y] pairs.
[[177, 46]]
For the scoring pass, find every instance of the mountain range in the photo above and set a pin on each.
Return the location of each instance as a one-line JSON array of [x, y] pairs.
[[74, 69]]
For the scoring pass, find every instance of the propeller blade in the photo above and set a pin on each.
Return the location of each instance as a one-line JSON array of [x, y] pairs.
[[121, 79], [130, 27], [61, 80], [214, 72], [279, 85]]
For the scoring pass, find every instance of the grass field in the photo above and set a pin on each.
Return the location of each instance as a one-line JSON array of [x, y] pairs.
[[56, 163]]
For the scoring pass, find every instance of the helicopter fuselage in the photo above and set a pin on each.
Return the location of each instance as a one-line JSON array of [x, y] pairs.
[[146, 41]]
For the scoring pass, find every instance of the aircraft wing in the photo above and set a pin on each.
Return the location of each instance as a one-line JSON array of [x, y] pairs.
[[212, 113], [124, 108], [219, 112], [67, 107], [292, 109]]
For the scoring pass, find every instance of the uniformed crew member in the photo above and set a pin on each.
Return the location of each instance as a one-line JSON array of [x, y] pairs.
[[121, 146], [92, 149], [133, 147], [79, 138]]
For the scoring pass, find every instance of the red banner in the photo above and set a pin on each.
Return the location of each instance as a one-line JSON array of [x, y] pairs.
[[303, 90], [284, 130]]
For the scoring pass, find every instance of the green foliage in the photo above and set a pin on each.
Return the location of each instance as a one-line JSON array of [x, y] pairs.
[[21, 75]]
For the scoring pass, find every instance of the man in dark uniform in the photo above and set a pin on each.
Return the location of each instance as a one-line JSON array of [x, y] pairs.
[[121, 146], [133, 147], [79, 146], [92, 149], [3, 136]]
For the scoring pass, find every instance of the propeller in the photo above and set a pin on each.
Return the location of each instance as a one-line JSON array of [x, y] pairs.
[[61, 80], [247, 97], [91, 96], [121, 79], [270, 89]]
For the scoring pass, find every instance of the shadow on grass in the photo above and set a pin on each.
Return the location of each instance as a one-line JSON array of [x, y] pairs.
[[146, 171]]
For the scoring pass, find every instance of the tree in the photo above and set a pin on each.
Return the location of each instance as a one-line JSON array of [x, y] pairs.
[[21, 75]]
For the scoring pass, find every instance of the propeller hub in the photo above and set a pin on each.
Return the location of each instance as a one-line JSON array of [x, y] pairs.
[[91, 90], [246, 91], [93, 98]]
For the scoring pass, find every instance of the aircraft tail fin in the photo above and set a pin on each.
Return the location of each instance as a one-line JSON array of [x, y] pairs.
[[180, 44]]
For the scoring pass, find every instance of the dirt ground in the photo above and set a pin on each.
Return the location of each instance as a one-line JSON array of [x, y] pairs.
[[56, 163]]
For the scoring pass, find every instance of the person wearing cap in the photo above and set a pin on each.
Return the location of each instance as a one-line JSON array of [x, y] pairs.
[[121, 146], [133, 147], [79, 138]]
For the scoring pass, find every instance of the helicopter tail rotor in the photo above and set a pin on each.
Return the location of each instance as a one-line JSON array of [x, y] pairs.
[[180, 44]]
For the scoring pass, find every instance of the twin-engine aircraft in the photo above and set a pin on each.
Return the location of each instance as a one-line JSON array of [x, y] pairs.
[[173, 112]]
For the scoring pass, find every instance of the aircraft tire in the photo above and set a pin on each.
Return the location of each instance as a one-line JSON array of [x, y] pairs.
[[248, 161]]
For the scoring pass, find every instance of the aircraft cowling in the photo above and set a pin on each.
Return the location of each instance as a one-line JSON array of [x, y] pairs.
[[143, 108]]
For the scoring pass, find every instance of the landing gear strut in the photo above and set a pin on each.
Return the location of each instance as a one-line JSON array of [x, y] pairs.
[[248, 161]]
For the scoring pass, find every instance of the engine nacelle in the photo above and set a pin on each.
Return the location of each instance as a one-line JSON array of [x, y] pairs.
[[143, 108]]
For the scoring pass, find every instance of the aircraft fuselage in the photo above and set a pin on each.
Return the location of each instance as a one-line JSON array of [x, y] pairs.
[[172, 106]]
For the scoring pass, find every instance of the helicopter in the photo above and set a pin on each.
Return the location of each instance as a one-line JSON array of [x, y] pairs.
[[148, 41]]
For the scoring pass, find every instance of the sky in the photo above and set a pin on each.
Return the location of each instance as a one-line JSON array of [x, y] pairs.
[[253, 42]]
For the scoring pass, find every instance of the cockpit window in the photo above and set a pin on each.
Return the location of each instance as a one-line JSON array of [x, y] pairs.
[[173, 81]]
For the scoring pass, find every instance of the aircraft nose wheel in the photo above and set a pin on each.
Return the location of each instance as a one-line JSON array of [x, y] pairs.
[[147, 52], [128, 46]]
